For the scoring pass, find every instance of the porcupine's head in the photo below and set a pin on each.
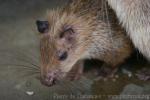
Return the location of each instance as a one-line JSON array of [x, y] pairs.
[[63, 41]]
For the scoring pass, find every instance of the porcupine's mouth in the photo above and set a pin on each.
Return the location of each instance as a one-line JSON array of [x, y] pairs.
[[51, 78]]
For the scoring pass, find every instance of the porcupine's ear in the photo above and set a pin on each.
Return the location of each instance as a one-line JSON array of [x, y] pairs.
[[42, 26]]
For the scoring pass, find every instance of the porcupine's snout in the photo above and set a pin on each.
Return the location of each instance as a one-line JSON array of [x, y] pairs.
[[50, 78]]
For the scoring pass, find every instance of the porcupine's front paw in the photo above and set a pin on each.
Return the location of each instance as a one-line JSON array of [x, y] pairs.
[[76, 72], [143, 74], [107, 72]]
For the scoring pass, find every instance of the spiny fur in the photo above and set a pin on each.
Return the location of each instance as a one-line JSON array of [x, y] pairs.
[[135, 17], [99, 34]]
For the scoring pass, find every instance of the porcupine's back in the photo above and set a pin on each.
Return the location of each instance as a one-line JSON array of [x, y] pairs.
[[104, 16]]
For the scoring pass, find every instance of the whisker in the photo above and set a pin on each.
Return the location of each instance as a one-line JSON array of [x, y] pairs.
[[27, 53], [18, 53], [20, 66], [26, 61], [29, 74], [26, 70]]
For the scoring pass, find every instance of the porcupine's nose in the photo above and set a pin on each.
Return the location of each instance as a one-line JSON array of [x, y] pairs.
[[50, 78]]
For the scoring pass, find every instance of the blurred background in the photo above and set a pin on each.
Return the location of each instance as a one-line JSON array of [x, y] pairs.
[[19, 51]]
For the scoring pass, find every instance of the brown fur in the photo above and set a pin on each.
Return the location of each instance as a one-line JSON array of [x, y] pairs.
[[135, 18], [98, 35]]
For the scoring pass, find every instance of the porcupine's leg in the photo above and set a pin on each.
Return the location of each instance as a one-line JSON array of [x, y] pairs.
[[77, 71], [106, 71], [143, 74]]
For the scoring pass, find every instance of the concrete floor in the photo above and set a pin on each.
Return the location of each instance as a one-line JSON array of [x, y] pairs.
[[19, 46]]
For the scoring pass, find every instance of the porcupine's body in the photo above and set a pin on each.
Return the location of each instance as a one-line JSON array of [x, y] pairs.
[[83, 29], [135, 18]]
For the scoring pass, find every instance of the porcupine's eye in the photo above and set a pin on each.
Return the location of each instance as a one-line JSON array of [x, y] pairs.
[[42, 26], [62, 55], [68, 39], [68, 34]]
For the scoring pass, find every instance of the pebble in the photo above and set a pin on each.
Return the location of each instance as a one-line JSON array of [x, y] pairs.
[[130, 75], [105, 79], [116, 76], [127, 72], [114, 80], [30, 93]]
